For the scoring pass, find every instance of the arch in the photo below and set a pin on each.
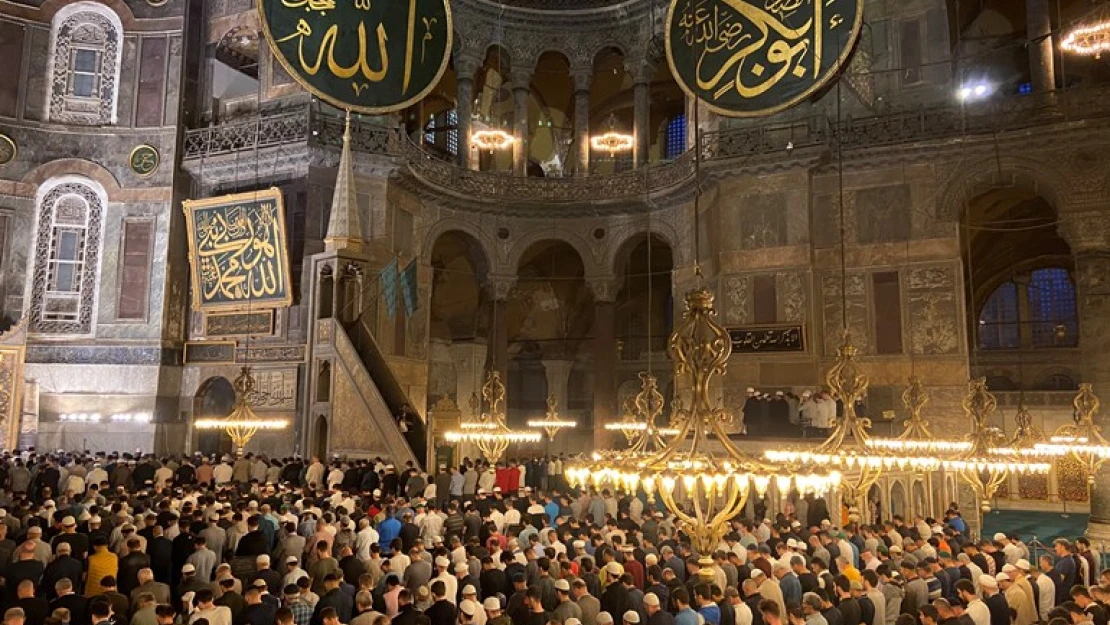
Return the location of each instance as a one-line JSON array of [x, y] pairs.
[[617, 255], [875, 505], [50, 8], [320, 441], [899, 501], [85, 54], [74, 167], [621, 240], [69, 218], [536, 235], [1056, 379], [459, 296], [214, 399], [442, 226], [919, 500], [986, 174]]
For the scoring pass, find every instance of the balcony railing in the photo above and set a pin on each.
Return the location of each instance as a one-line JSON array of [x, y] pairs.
[[314, 126]]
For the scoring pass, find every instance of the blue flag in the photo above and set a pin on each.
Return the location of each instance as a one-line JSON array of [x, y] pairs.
[[388, 278], [409, 289]]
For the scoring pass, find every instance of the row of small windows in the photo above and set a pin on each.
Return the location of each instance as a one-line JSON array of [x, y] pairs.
[[1050, 316]]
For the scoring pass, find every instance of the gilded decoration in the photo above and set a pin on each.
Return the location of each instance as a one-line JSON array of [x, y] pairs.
[[237, 251], [348, 425], [1071, 478]]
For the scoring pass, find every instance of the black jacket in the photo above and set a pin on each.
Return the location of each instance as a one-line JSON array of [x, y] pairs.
[[76, 604], [441, 612], [334, 598], [258, 614]]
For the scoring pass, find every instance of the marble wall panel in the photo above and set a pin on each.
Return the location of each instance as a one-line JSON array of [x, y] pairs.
[[934, 310]]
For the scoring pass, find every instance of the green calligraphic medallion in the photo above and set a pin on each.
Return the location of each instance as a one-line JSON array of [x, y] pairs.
[[747, 58], [238, 253], [144, 160], [8, 150], [370, 56]]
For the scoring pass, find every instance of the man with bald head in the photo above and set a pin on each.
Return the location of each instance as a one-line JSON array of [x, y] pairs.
[[147, 584], [64, 566]]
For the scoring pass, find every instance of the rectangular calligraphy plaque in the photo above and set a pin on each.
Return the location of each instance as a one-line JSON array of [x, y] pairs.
[[209, 352], [790, 337], [238, 253], [239, 324]]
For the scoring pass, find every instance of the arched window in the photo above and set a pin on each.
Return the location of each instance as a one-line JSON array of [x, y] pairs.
[[67, 256], [999, 325], [85, 52], [442, 131], [676, 137], [1052, 308]]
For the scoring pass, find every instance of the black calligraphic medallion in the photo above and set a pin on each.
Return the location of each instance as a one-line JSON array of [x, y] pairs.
[[8, 150], [370, 56], [747, 58]]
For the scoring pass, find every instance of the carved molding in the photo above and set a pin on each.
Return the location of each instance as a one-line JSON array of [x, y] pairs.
[[85, 29]]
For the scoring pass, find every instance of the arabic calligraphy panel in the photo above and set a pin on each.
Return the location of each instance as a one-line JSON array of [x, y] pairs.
[[362, 55], [238, 253], [747, 58], [768, 338]]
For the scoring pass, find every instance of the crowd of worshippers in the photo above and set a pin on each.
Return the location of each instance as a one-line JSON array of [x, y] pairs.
[[782, 414], [89, 540]]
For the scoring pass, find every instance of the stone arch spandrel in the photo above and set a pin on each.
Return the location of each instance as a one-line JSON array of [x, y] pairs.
[[591, 262], [978, 177]]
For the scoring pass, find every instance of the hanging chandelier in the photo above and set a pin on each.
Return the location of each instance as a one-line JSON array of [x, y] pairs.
[[612, 141], [491, 139], [640, 422], [699, 475], [242, 423], [551, 424], [1082, 440], [491, 434], [1090, 36], [917, 436]]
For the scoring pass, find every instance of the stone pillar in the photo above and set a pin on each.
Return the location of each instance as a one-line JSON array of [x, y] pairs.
[[642, 74], [605, 357], [498, 356], [582, 77], [464, 107], [1025, 330], [1039, 28], [558, 379], [707, 120], [521, 82], [1089, 237], [469, 359]]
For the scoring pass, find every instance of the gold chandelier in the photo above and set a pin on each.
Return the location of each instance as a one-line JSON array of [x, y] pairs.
[[242, 423], [551, 424], [699, 475], [1091, 35], [1081, 440], [640, 422], [612, 141], [491, 139], [491, 434], [917, 436]]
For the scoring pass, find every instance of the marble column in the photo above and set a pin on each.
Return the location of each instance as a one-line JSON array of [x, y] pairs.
[[521, 82], [582, 78], [464, 106], [641, 118], [707, 120], [558, 380], [1038, 25], [604, 357], [1025, 330], [469, 359], [498, 356], [1089, 239]]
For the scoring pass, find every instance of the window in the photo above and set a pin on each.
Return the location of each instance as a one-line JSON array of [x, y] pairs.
[[911, 51], [1052, 308], [888, 312], [66, 257], [85, 54], [999, 327], [676, 137], [442, 131], [84, 76]]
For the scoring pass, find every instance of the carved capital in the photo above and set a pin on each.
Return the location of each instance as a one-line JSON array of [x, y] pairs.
[[466, 66], [604, 287], [582, 75], [642, 70], [1085, 231], [501, 286]]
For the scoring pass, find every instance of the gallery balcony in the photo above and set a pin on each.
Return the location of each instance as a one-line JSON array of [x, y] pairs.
[[281, 144]]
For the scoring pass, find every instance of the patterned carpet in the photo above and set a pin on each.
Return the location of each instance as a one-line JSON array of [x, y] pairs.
[[1046, 526]]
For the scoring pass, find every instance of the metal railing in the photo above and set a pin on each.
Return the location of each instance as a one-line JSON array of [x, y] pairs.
[[312, 125]]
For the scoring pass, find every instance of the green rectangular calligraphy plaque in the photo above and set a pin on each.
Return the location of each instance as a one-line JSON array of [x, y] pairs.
[[238, 253]]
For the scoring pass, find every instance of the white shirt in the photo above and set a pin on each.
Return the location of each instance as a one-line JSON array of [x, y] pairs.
[[743, 613], [979, 612], [451, 582], [1046, 590], [216, 615], [222, 473]]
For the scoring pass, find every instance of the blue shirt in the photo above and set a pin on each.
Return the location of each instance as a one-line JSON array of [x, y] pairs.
[[387, 531], [552, 510], [711, 613], [687, 616]]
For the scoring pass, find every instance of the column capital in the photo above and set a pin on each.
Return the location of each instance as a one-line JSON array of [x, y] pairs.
[[501, 286], [466, 66], [641, 70], [582, 75], [520, 79], [604, 288], [1086, 231]]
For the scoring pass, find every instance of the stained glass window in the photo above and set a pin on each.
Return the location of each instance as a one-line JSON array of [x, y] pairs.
[[1052, 308], [676, 137], [999, 326]]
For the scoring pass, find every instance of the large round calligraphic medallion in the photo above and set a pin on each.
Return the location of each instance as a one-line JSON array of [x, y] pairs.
[[8, 149], [747, 58], [370, 56], [144, 160]]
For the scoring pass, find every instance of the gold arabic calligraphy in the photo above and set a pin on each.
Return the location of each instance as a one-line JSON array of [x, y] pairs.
[[362, 68], [238, 253], [740, 46]]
